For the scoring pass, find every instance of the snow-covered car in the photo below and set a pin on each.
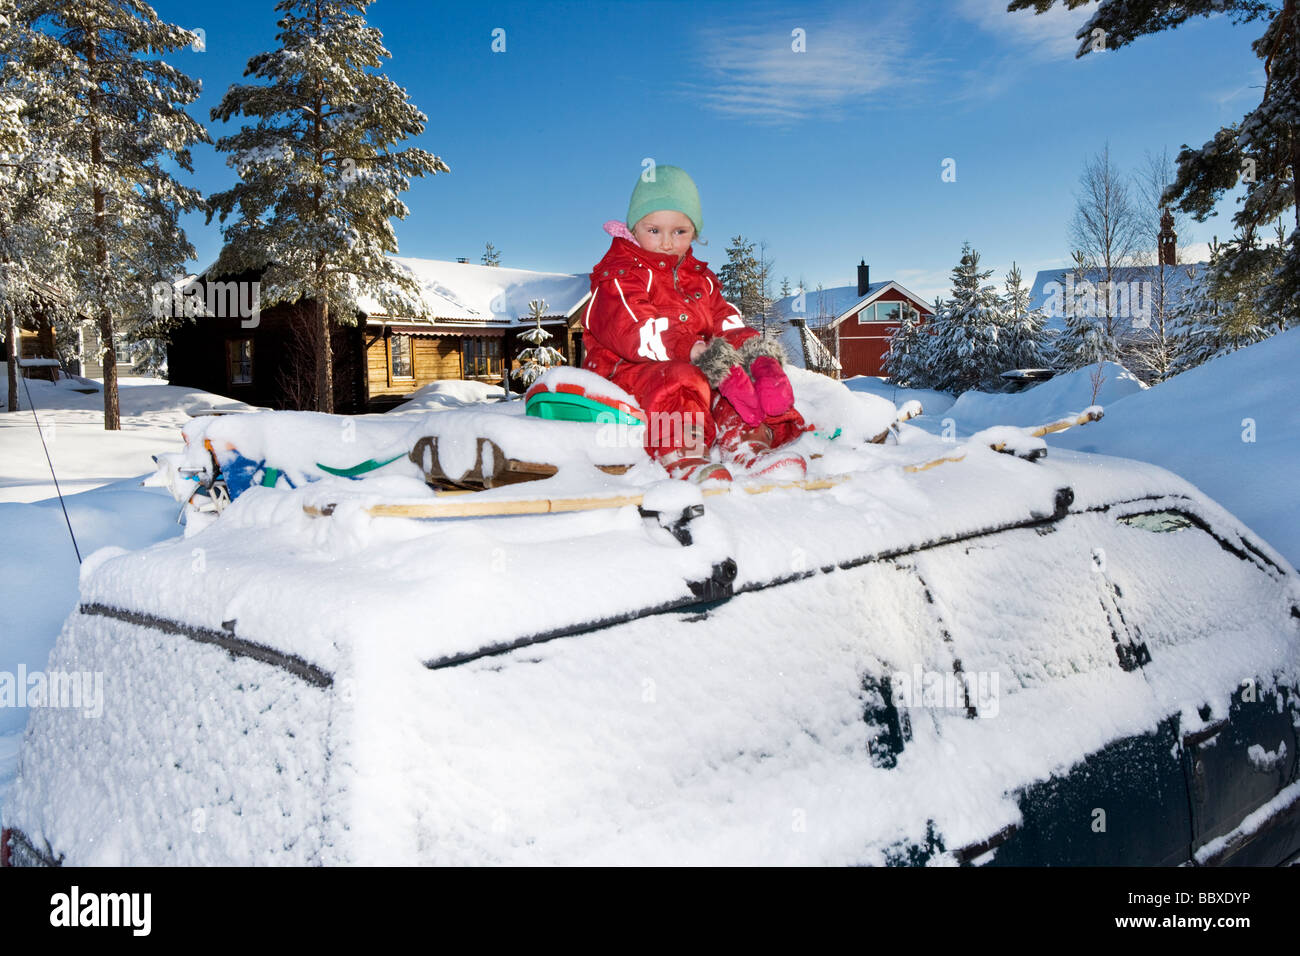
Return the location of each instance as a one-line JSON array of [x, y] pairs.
[[1073, 660]]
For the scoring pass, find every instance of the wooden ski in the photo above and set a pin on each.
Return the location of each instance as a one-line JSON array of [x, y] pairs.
[[1092, 414], [467, 504]]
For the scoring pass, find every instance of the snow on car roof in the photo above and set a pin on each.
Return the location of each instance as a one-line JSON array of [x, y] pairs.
[[270, 674], [732, 734]]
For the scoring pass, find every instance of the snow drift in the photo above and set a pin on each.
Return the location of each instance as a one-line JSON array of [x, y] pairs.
[[1230, 426], [1057, 397]]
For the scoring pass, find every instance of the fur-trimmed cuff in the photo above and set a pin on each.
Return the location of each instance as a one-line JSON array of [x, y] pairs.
[[761, 345], [717, 360]]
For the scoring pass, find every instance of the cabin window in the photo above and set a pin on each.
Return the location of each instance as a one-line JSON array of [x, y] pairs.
[[881, 312], [400, 348], [482, 357], [239, 361]]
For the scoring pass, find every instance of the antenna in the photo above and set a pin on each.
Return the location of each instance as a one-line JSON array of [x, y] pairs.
[[30, 363]]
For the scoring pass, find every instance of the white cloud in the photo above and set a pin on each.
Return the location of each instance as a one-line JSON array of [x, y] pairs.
[[1225, 97], [927, 283], [748, 70], [1022, 39], [1044, 36], [752, 72]]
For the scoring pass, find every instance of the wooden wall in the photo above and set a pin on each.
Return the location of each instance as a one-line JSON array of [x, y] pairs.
[[432, 359], [38, 342], [283, 369]]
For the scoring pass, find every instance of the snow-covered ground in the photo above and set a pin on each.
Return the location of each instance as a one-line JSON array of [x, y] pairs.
[[1056, 398], [933, 402], [73, 426], [1231, 427], [439, 396]]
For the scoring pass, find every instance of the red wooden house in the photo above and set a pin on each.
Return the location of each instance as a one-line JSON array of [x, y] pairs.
[[854, 323]]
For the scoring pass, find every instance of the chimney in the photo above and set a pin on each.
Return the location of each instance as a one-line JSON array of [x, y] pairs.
[[864, 277], [462, 260], [1167, 240]]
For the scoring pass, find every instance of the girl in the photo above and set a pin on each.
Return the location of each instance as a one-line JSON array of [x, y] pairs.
[[658, 327]]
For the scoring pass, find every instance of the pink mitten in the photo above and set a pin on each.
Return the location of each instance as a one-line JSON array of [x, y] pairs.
[[739, 390], [771, 386]]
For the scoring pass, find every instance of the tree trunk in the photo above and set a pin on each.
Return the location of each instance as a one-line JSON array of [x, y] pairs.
[[1290, 8], [112, 416], [324, 347], [11, 356], [324, 360]]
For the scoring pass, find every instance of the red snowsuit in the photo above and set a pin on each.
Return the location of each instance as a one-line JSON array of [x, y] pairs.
[[645, 314]]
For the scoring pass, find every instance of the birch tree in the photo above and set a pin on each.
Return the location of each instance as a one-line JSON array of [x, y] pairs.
[[1107, 229]]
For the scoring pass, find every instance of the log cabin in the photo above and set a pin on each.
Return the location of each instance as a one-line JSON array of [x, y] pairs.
[[472, 317]]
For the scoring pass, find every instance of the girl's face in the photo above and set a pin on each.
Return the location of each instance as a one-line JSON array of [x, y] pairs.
[[667, 232]]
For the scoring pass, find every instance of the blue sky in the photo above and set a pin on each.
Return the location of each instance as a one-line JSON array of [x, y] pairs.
[[830, 155]]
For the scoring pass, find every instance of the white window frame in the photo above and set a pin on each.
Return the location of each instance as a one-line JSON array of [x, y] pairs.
[[872, 309]]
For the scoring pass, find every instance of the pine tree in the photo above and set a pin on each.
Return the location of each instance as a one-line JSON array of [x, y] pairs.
[[1223, 311], [785, 287], [1196, 332], [1241, 278], [1026, 344], [32, 185], [319, 180], [123, 123], [491, 255], [970, 345], [538, 357], [907, 362], [739, 275]]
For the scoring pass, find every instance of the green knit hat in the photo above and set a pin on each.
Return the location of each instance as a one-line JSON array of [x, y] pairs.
[[671, 189]]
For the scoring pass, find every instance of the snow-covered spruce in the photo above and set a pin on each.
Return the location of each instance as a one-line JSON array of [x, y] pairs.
[[320, 177]]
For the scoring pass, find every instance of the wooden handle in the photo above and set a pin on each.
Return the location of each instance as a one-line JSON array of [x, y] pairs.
[[459, 507]]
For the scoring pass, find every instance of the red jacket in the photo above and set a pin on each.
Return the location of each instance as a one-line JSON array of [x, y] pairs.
[[647, 308]]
